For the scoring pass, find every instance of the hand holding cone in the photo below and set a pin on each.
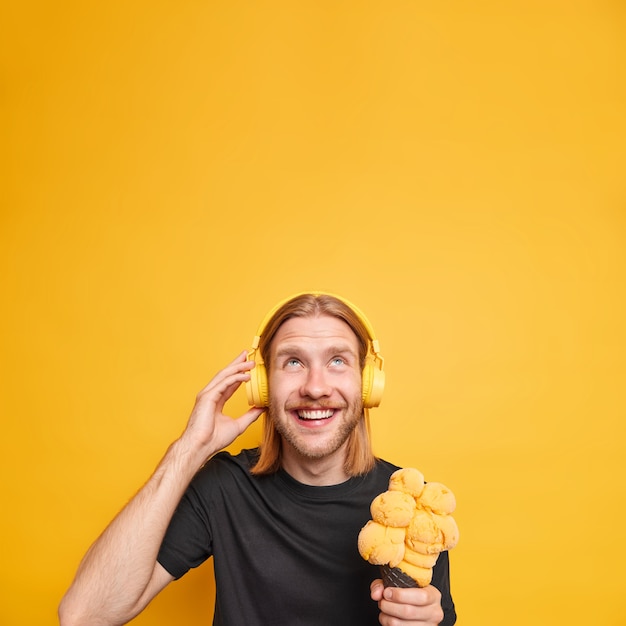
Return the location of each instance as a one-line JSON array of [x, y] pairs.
[[411, 524]]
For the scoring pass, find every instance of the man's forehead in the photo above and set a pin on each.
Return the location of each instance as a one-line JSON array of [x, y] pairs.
[[315, 328]]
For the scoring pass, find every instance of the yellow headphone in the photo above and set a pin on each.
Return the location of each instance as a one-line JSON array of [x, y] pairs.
[[373, 376]]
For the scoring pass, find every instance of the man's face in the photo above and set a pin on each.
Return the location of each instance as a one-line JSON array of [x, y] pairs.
[[315, 385]]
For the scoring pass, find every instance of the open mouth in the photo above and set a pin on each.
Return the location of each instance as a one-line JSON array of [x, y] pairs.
[[310, 415]]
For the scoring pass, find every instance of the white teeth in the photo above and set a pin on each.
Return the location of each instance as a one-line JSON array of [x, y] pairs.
[[315, 415]]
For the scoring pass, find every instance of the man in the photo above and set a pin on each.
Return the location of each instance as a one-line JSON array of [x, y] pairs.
[[281, 522]]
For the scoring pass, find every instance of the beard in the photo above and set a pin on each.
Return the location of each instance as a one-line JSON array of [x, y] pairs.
[[310, 446]]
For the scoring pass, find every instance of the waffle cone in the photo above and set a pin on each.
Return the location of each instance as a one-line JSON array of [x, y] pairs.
[[395, 577]]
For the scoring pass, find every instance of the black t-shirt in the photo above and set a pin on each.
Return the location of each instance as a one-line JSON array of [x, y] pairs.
[[285, 553]]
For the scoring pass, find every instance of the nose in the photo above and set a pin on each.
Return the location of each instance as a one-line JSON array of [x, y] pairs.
[[315, 384]]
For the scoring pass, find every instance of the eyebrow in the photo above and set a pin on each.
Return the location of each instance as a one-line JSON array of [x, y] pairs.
[[287, 349]]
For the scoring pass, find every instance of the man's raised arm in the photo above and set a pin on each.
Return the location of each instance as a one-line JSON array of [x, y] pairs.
[[120, 574]]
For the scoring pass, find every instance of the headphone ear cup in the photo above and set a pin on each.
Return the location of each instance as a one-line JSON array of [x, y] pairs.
[[373, 383], [257, 387]]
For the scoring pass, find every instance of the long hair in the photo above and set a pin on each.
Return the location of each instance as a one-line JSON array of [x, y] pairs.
[[359, 457]]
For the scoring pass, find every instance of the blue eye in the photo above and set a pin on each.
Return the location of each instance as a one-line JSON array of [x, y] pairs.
[[338, 361]]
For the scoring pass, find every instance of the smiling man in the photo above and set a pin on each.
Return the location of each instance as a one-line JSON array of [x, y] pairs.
[[281, 521]]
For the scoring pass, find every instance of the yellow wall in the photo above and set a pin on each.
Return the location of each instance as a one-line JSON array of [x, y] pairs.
[[171, 170]]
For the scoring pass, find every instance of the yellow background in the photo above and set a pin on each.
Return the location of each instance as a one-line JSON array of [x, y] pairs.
[[171, 170]]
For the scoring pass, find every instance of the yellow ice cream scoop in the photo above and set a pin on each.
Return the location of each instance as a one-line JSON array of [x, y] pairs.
[[425, 529], [437, 498], [409, 480], [393, 508], [381, 544], [410, 526], [449, 530]]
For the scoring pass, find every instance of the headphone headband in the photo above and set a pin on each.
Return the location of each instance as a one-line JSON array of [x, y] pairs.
[[357, 311]]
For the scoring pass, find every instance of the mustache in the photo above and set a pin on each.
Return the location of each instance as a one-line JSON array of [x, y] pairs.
[[315, 405]]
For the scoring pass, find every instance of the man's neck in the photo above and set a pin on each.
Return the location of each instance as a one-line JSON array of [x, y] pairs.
[[316, 472]]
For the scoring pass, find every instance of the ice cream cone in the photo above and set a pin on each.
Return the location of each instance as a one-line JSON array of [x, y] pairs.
[[395, 577]]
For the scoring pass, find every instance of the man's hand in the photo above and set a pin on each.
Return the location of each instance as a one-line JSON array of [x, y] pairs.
[[417, 606], [208, 427]]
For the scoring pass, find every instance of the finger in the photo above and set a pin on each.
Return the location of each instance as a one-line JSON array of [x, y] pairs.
[[220, 394], [412, 595], [239, 364], [234, 373], [249, 417], [376, 590], [412, 604]]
